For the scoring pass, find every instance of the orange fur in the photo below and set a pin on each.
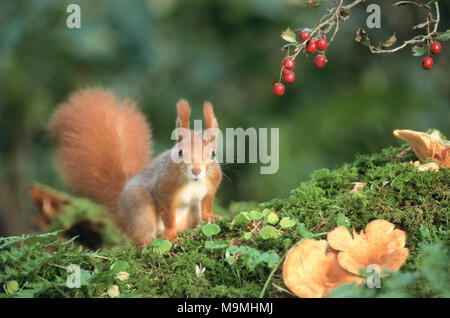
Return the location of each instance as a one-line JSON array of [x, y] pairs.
[[104, 150], [208, 113], [103, 142], [184, 112]]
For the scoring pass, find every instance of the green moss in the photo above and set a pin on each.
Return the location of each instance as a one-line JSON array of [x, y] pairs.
[[417, 203]]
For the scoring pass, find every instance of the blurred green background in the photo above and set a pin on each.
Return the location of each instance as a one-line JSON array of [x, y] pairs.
[[225, 51]]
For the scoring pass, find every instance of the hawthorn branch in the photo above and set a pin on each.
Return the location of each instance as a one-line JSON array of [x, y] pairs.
[[420, 39]]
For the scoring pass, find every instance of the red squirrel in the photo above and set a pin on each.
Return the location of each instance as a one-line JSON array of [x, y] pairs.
[[104, 153]]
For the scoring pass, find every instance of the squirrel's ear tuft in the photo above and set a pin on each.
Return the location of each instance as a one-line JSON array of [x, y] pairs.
[[208, 113], [184, 112]]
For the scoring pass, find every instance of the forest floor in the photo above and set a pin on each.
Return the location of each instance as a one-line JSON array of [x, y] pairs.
[[243, 255]]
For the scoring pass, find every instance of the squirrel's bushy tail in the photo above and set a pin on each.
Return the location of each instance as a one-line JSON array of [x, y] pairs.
[[102, 142]]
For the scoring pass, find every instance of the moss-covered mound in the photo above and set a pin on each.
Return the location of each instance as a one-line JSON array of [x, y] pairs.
[[242, 257]]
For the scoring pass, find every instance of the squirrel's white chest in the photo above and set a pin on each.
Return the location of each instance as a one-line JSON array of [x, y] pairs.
[[188, 211], [192, 192]]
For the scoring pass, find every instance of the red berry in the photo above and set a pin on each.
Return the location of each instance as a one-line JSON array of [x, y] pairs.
[[304, 35], [313, 40], [274, 212], [312, 46], [284, 70], [322, 44], [278, 89], [427, 63], [288, 63], [289, 77], [320, 61], [435, 47]]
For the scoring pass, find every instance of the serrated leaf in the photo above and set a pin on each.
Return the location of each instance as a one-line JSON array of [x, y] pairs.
[[389, 42], [361, 37], [210, 229], [288, 35], [403, 3], [419, 50], [444, 36]]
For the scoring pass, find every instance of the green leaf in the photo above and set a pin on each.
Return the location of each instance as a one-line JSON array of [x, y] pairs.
[[161, 246], [85, 277], [271, 259], [287, 223], [303, 231], [266, 212], [361, 37], [210, 229], [11, 287], [247, 235], [419, 50], [255, 215], [210, 245], [119, 266], [288, 35], [444, 36], [273, 218], [269, 232], [242, 219]]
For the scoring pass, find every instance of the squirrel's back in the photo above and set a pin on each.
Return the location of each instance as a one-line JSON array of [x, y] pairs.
[[102, 142]]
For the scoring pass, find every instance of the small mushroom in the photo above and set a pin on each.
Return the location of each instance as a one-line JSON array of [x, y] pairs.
[[311, 270], [358, 186], [429, 166], [381, 245], [427, 145]]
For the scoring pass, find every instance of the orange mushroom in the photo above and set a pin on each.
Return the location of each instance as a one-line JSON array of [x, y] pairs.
[[427, 145], [381, 245], [311, 270]]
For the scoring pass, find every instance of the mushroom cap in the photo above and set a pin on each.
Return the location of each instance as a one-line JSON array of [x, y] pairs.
[[311, 270], [426, 145], [381, 244]]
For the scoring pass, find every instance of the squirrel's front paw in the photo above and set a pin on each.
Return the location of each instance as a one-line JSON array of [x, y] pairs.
[[172, 236], [213, 217]]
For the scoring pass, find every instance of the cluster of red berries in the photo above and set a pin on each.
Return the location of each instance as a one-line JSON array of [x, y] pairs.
[[435, 48], [288, 64], [314, 45]]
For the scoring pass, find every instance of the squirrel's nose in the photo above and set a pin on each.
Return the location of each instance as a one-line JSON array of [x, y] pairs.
[[196, 171]]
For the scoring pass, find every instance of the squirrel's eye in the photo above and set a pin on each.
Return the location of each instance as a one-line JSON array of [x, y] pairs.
[[213, 155], [180, 153]]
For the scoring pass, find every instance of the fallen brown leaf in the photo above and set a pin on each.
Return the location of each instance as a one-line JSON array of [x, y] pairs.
[[48, 202]]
